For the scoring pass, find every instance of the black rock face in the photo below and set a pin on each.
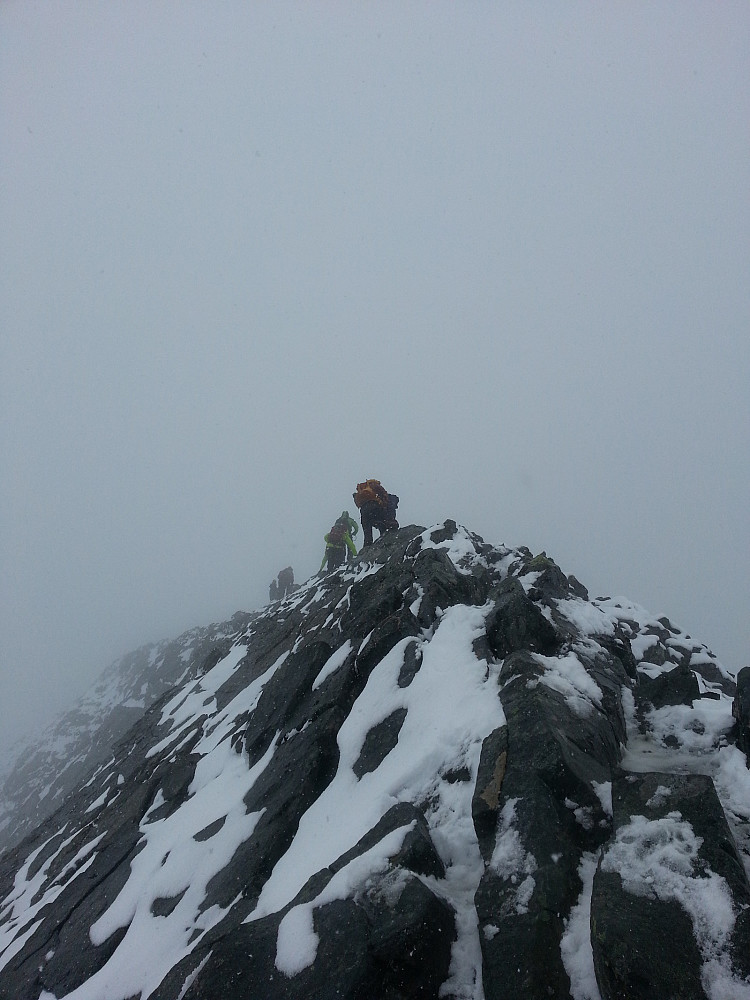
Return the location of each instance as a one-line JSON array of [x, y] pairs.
[[641, 913], [440, 771], [741, 710]]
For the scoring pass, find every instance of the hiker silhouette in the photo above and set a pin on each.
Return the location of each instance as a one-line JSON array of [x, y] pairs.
[[377, 508], [283, 584]]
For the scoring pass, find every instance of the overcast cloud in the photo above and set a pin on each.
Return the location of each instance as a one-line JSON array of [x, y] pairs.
[[493, 254]]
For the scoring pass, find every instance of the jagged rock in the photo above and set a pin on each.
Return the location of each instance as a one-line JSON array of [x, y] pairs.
[[741, 710], [487, 798], [577, 588], [675, 687], [393, 940], [417, 851], [412, 663], [517, 623], [367, 947], [395, 783], [672, 860], [442, 585], [713, 674], [559, 749], [549, 579], [619, 646], [379, 742]]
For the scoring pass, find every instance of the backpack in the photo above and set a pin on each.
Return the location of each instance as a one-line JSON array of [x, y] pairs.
[[370, 490], [337, 533]]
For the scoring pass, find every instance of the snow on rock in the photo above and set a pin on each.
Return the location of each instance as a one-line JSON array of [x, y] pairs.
[[440, 771], [45, 772]]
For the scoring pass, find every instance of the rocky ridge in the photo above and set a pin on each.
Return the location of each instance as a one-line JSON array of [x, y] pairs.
[[441, 771], [48, 769]]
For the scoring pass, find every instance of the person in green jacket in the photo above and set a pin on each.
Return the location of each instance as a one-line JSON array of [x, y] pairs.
[[338, 540], [346, 517]]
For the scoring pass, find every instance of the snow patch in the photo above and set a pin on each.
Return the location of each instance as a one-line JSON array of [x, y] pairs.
[[657, 858], [575, 944], [511, 860], [567, 675], [587, 618], [297, 942]]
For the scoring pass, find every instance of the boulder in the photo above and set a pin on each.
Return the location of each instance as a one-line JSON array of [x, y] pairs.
[[515, 622], [537, 782], [741, 711], [671, 867]]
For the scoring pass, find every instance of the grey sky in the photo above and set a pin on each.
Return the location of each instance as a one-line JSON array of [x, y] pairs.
[[495, 255]]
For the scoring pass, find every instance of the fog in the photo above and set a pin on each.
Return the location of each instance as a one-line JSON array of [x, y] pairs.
[[494, 255]]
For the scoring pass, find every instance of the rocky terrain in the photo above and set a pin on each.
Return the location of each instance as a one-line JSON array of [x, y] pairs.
[[47, 770], [441, 771]]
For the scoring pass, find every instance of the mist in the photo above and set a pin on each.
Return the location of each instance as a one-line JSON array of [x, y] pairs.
[[495, 256]]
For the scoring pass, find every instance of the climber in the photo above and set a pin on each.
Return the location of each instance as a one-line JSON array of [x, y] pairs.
[[286, 582], [283, 585], [349, 520], [377, 508], [338, 541]]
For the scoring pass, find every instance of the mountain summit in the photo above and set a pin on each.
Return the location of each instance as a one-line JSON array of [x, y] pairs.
[[441, 771]]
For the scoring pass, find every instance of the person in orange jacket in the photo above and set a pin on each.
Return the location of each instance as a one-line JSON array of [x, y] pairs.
[[377, 508]]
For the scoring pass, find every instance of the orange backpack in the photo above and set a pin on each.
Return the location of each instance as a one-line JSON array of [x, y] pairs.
[[369, 490]]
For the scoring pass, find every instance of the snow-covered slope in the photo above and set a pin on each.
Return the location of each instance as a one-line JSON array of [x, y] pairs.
[[44, 771], [440, 771]]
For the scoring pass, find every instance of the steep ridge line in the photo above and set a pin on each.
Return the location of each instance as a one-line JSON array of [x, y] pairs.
[[422, 775]]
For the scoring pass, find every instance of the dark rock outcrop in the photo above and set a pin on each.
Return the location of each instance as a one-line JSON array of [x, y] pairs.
[[671, 861], [515, 622], [741, 711]]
